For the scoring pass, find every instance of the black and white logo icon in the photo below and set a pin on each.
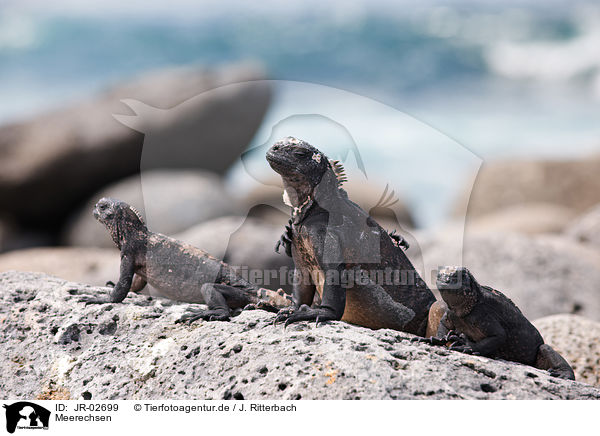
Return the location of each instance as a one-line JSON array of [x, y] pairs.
[[26, 415]]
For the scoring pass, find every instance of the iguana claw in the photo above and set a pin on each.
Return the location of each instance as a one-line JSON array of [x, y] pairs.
[[286, 240], [283, 314]]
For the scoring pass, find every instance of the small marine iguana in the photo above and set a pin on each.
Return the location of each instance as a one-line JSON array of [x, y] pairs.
[[328, 237], [480, 320], [177, 270]]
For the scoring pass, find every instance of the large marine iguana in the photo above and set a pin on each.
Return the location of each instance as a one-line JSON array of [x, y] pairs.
[[329, 238], [481, 320], [177, 270]]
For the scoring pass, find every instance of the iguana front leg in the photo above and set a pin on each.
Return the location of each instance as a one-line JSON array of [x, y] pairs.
[[332, 306], [119, 292], [303, 293], [495, 338]]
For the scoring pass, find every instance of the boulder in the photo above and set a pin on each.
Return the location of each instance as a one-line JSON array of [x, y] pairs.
[[52, 346], [543, 274], [56, 160], [576, 339], [15, 237], [586, 228], [170, 200], [530, 218], [574, 184], [3, 236], [94, 266]]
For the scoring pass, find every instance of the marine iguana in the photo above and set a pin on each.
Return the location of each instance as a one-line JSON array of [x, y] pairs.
[[328, 238], [179, 271], [481, 320]]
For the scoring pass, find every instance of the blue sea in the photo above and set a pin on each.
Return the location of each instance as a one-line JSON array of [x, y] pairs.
[[428, 92]]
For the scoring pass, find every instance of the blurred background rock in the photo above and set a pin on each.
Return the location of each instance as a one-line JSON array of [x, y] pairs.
[[111, 99]]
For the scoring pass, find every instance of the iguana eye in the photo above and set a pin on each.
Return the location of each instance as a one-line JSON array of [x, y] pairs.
[[300, 153]]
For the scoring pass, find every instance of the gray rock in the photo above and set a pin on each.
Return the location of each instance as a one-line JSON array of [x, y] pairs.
[[586, 228], [94, 266], [577, 340], [542, 274], [14, 237], [52, 346], [52, 162], [574, 184], [3, 236], [170, 200], [527, 218]]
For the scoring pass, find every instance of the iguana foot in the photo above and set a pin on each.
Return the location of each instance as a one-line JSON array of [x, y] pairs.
[[193, 314], [286, 240], [262, 305], [283, 314], [451, 339], [304, 313], [286, 244]]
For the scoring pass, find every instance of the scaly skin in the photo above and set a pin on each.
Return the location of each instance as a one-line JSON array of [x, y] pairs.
[[480, 320], [329, 235], [177, 270]]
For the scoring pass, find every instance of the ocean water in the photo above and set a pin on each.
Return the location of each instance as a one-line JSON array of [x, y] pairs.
[[497, 82]]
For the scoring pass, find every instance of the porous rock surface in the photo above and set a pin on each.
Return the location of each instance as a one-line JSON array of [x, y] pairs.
[[54, 347]]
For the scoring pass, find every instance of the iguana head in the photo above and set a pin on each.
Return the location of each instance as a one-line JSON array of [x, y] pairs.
[[458, 288], [304, 170], [121, 219]]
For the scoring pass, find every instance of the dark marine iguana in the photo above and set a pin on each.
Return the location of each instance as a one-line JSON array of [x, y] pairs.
[[328, 239], [480, 320], [179, 271]]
